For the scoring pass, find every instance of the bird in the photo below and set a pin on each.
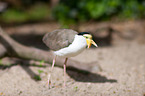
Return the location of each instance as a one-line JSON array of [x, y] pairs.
[[66, 43]]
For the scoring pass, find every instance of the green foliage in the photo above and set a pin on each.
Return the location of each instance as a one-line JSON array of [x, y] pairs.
[[38, 12], [14, 15], [76, 88], [40, 71], [133, 9], [83, 10], [69, 12], [61, 13], [37, 77], [41, 63], [35, 13], [98, 9]]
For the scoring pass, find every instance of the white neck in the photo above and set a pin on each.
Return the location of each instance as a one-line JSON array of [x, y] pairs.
[[77, 46]]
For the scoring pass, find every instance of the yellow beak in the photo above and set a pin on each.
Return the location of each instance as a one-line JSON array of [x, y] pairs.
[[90, 42]]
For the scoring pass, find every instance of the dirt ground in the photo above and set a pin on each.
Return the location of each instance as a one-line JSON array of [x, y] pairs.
[[122, 63]]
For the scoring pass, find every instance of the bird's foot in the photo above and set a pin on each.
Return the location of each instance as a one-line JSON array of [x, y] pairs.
[[64, 85], [48, 84]]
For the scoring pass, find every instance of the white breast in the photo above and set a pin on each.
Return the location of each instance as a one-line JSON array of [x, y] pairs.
[[77, 46]]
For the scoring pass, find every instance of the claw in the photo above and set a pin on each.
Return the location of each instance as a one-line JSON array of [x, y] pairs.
[[48, 83]]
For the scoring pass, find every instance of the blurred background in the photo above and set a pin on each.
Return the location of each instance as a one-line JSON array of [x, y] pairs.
[[68, 12]]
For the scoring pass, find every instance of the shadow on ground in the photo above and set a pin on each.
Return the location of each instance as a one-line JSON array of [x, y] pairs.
[[26, 67], [89, 77], [77, 75]]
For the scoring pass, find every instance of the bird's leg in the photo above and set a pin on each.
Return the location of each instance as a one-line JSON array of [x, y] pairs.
[[65, 71], [51, 71]]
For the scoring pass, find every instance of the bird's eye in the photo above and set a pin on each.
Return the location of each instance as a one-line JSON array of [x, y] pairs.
[[86, 37]]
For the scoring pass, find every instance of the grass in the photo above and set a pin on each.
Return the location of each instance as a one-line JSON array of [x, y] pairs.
[[76, 88], [38, 77]]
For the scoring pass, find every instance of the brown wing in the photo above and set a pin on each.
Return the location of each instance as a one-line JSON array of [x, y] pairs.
[[59, 38]]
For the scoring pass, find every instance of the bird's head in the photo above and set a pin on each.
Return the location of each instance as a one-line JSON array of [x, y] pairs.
[[88, 38]]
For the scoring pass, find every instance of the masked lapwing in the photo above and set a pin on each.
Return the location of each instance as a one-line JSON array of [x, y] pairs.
[[67, 43]]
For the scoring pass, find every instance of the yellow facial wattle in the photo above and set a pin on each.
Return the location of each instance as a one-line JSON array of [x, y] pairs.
[[89, 40], [89, 43]]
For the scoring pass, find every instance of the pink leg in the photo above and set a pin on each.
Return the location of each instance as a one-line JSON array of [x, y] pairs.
[[65, 71], [51, 71]]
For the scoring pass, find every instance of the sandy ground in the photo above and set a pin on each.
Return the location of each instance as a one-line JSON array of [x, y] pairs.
[[123, 74]]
